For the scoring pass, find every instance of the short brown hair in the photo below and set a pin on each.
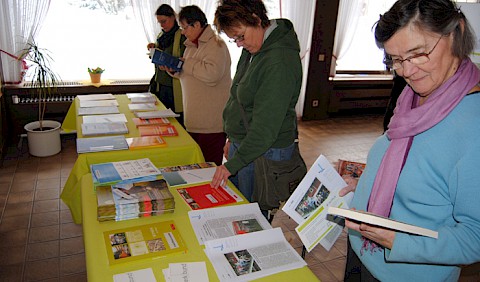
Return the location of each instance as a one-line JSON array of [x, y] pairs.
[[232, 13]]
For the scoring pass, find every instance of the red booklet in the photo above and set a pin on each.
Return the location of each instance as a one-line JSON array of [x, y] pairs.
[[204, 196], [141, 122], [162, 130]]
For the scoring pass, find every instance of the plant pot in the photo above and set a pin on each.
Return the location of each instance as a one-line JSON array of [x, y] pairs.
[[43, 143], [95, 77]]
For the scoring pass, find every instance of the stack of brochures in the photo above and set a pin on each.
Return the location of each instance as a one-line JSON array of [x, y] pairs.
[[99, 144], [127, 200]]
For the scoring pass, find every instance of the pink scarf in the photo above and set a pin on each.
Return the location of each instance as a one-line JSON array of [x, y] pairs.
[[408, 122]]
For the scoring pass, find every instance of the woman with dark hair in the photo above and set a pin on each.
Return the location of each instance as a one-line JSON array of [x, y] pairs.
[[259, 117], [170, 40], [205, 79], [423, 170]]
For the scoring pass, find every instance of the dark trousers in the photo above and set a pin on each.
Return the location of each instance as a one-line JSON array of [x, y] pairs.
[[212, 145], [355, 271]]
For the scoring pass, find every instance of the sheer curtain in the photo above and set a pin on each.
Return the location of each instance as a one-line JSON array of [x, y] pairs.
[[349, 12], [301, 14], [20, 22], [145, 13]]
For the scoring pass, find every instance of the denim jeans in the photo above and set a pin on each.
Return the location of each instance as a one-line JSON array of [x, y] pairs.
[[244, 180]]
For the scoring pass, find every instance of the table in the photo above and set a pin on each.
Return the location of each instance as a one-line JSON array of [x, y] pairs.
[[181, 149], [97, 265]]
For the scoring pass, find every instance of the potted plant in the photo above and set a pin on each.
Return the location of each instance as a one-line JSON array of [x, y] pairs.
[[95, 74], [43, 135]]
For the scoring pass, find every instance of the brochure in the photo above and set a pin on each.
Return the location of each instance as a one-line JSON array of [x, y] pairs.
[[95, 97], [98, 103], [105, 118], [308, 204], [135, 143], [186, 272], [222, 222], [142, 122], [156, 114], [107, 128], [99, 144], [141, 275], [98, 111], [142, 107], [252, 256], [204, 196], [117, 171], [188, 174], [158, 130], [145, 241]]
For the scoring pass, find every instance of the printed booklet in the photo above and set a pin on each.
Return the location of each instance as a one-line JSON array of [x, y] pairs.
[[308, 204], [145, 241], [204, 196]]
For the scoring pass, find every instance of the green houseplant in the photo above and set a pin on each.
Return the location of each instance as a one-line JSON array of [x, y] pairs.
[[43, 135], [95, 74]]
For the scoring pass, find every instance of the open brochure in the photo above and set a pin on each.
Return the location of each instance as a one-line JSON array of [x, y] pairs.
[[374, 219], [307, 205], [252, 256], [222, 222]]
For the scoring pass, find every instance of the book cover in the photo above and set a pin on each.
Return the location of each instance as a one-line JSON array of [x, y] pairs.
[[141, 122], [355, 169], [161, 58], [162, 130], [204, 196], [135, 143], [142, 107], [99, 144], [378, 220], [111, 128], [145, 241]]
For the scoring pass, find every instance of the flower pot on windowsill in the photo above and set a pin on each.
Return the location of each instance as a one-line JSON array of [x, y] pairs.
[[95, 77]]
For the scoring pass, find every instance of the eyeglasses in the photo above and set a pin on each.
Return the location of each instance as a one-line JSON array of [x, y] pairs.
[[417, 59], [187, 26], [239, 38]]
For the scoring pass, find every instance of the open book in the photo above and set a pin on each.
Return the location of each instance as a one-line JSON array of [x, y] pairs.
[[374, 219]]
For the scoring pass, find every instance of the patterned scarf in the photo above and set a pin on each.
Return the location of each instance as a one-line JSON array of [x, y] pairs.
[[406, 123]]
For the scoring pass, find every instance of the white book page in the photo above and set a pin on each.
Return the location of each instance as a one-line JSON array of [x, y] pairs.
[[187, 272], [142, 275], [307, 205], [135, 168], [252, 256], [221, 222]]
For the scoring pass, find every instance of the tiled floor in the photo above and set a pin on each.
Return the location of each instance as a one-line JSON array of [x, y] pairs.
[[38, 240]]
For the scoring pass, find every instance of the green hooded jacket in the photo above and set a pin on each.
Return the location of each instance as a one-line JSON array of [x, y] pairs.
[[268, 89]]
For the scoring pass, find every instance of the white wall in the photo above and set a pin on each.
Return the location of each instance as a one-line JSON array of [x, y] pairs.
[[472, 12]]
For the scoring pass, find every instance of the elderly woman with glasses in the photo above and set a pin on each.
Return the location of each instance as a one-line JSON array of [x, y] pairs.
[[424, 170], [259, 117]]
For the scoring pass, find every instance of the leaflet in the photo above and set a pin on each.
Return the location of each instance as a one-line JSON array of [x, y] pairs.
[[308, 205], [252, 256], [222, 222]]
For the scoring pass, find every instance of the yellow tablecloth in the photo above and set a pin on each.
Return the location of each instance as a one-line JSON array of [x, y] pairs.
[[98, 268], [181, 149]]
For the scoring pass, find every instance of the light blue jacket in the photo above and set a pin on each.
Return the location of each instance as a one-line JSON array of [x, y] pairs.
[[439, 189]]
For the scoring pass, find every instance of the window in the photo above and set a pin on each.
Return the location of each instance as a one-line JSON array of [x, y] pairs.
[[363, 54], [81, 34]]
